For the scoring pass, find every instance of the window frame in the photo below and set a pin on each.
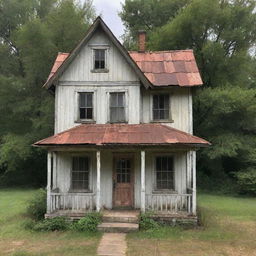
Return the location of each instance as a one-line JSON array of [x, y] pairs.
[[77, 104], [90, 176], [126, 104], [169, 119], [106, 68], [154, 173]]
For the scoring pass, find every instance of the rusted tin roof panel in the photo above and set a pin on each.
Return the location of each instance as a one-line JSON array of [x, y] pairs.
[[126, 134], [164, 68]]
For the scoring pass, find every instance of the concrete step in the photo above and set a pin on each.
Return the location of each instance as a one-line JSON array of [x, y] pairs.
[[121, 216], [116, 227]]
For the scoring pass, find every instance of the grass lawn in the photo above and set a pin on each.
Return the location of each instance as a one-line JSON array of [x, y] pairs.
[[16, 241], [230, 230]]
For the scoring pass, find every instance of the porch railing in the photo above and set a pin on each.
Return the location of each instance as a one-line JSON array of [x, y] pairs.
[[72, 201], [171, 203]]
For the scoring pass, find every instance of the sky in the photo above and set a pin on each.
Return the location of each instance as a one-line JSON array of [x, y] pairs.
[[109, 12]]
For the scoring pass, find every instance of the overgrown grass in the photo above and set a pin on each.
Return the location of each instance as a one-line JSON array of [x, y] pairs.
[[16, 240], [229, 225]]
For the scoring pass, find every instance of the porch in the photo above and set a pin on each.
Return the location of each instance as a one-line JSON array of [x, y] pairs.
[[181, 201]]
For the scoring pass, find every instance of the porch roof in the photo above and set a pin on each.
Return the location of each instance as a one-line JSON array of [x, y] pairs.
[[122, 134]]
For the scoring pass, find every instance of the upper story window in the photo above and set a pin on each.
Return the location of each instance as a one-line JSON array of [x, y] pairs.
[[117, 107], [80, 173], [164, 171], [86, 105], [161, 107], [99, 59]]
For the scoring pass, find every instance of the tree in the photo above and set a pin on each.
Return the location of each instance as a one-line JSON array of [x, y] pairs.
[[222, 35], [31, 34]]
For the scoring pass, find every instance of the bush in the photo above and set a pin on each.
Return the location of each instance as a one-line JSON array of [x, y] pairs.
[[54, 224], [37, 205], [146, 222], [247, 181], [206, 217], [88, 223]]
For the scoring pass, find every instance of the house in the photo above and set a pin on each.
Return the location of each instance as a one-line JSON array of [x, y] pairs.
[[123, 128]]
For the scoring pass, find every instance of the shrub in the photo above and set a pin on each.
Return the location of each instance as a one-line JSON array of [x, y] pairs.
[[54, 224], [88, 223], [247, 180], [37, 205], [206, 217], [146, 222]]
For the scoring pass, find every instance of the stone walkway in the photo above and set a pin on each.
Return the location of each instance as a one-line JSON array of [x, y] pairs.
[[112, 244]]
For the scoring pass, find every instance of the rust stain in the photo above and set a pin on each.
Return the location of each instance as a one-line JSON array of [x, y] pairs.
[[131, 134]]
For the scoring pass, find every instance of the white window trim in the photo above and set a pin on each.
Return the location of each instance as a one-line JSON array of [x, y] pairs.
[[126, 107], [89, 155], [169, 120], [100, 47], [77, 113], [154, 188]]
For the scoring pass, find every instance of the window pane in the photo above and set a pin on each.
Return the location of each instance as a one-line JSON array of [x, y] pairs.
[[99, 58], [80, 173], [160, 106], [86, 105], [164, 172], [117, 107]]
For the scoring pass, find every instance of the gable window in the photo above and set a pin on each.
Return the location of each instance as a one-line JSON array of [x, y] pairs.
[[86, 105], [99, 59], [164, 171], [117, 107], [80, 173], [161, 107]]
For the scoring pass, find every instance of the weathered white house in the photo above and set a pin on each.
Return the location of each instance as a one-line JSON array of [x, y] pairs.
[[123, 128]]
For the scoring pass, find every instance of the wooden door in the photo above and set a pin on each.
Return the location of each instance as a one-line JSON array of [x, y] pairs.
[[123, 183]]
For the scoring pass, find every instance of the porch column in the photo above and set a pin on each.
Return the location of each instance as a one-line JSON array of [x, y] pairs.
[[54, 171], [194, 182], [49, 181], [143, 188], [98, 204]]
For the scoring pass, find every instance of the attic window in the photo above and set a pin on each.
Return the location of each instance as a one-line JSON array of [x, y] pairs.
[[161, 106], [99, 59]]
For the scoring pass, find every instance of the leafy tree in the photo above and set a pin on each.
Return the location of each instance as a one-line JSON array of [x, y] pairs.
[[30, 36], [222, 35]]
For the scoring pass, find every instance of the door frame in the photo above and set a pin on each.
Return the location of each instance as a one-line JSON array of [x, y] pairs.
[[132, 157]]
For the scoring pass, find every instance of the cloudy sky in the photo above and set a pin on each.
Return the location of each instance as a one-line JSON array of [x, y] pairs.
[[109, 10]]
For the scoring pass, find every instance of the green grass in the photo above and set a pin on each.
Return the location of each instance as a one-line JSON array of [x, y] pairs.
[[17, 241], [229, 229]]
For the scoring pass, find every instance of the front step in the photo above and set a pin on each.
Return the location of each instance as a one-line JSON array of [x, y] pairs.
[[121, 216], [117, 227]]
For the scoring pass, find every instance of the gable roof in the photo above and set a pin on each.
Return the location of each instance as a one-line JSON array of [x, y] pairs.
[[68, 58], [123, 134]]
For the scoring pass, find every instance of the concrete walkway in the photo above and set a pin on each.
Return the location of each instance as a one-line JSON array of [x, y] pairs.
[[112, 244]]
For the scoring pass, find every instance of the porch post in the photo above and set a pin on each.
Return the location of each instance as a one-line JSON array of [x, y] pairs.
[[54, 170], [98, 204], [49, 181], [143, 189], [194, 182]]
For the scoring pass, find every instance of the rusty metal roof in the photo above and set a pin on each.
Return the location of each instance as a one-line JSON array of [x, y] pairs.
[[167, 68], [163, 68], [122, 134]]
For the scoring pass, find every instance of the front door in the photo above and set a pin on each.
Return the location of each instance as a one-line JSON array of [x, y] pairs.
[[123, 182]]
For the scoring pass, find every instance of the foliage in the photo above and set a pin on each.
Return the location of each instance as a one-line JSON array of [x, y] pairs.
[[32, 32], [88, 223], [147, 223], [223, 36], [54, 224], [247, 180], [37, 205]]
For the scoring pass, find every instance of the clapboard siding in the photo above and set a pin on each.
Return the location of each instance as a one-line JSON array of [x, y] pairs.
[[64, 174], [180, 105], [80, 68]]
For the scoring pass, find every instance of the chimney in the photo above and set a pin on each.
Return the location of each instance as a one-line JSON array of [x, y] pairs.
[[142, 40]]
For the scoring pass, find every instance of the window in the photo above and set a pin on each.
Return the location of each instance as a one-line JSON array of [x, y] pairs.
[[117, 107], [164, 172], [86, 105], [80, 173], [123, 170], [161, 106], [99, 58]]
